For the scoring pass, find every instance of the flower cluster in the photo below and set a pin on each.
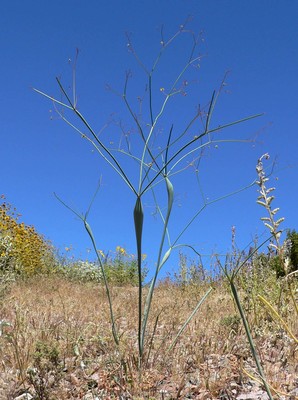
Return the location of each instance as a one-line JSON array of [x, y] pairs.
[[21, 247]]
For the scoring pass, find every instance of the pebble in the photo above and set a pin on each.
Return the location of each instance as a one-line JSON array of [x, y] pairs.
[[24, 396]]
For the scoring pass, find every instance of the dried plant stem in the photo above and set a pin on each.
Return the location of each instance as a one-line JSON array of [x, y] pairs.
[[278, 317]]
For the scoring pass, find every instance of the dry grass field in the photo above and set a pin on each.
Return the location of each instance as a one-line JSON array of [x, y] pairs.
[[56, 343]]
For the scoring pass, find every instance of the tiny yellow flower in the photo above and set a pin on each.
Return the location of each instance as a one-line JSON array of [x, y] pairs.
[[120, 250], [101, 253]]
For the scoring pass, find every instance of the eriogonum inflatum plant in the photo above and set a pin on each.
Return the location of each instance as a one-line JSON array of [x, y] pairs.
[[155, 163]]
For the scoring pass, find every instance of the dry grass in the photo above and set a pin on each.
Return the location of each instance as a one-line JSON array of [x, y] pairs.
[[59, 344]]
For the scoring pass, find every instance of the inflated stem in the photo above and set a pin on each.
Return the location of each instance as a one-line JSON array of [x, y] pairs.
[[161, 261], [138, 216]]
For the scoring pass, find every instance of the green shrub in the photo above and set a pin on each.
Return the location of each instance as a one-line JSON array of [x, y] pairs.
[[278, 266], [231, 321], [123, 269], [47, 370]]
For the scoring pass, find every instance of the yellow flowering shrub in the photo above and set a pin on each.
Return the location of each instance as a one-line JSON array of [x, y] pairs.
[[21, 247]]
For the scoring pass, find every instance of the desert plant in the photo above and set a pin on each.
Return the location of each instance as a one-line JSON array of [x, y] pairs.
[[156, 164], [281, 263]]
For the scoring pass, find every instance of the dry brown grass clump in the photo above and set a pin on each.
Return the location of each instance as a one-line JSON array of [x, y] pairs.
[[56, 343]]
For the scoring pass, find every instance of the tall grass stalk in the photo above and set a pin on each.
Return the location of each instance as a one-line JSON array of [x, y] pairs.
[[155, 165], [231, 276], [250, 339]]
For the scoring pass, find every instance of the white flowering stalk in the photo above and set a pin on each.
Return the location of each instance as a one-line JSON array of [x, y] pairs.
[[265, 199], [283, 250]]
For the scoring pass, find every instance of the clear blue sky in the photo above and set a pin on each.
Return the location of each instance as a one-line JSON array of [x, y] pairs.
[[256, 41]]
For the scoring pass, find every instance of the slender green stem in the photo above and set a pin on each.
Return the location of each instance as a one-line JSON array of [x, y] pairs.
[[182, 329], [150, 345], [89, 231], [150, 99], [193, 141], [166, 157], [207, 204], [114, 329], [53, 99], [106, 150], [93, 144], [124, 96], [162, 109]]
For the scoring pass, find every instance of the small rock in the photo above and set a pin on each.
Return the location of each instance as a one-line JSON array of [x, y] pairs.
[[205, 395], [294, 394], [244, 396], [74, 380], [253, 395], [24, 396], [90, 396]]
